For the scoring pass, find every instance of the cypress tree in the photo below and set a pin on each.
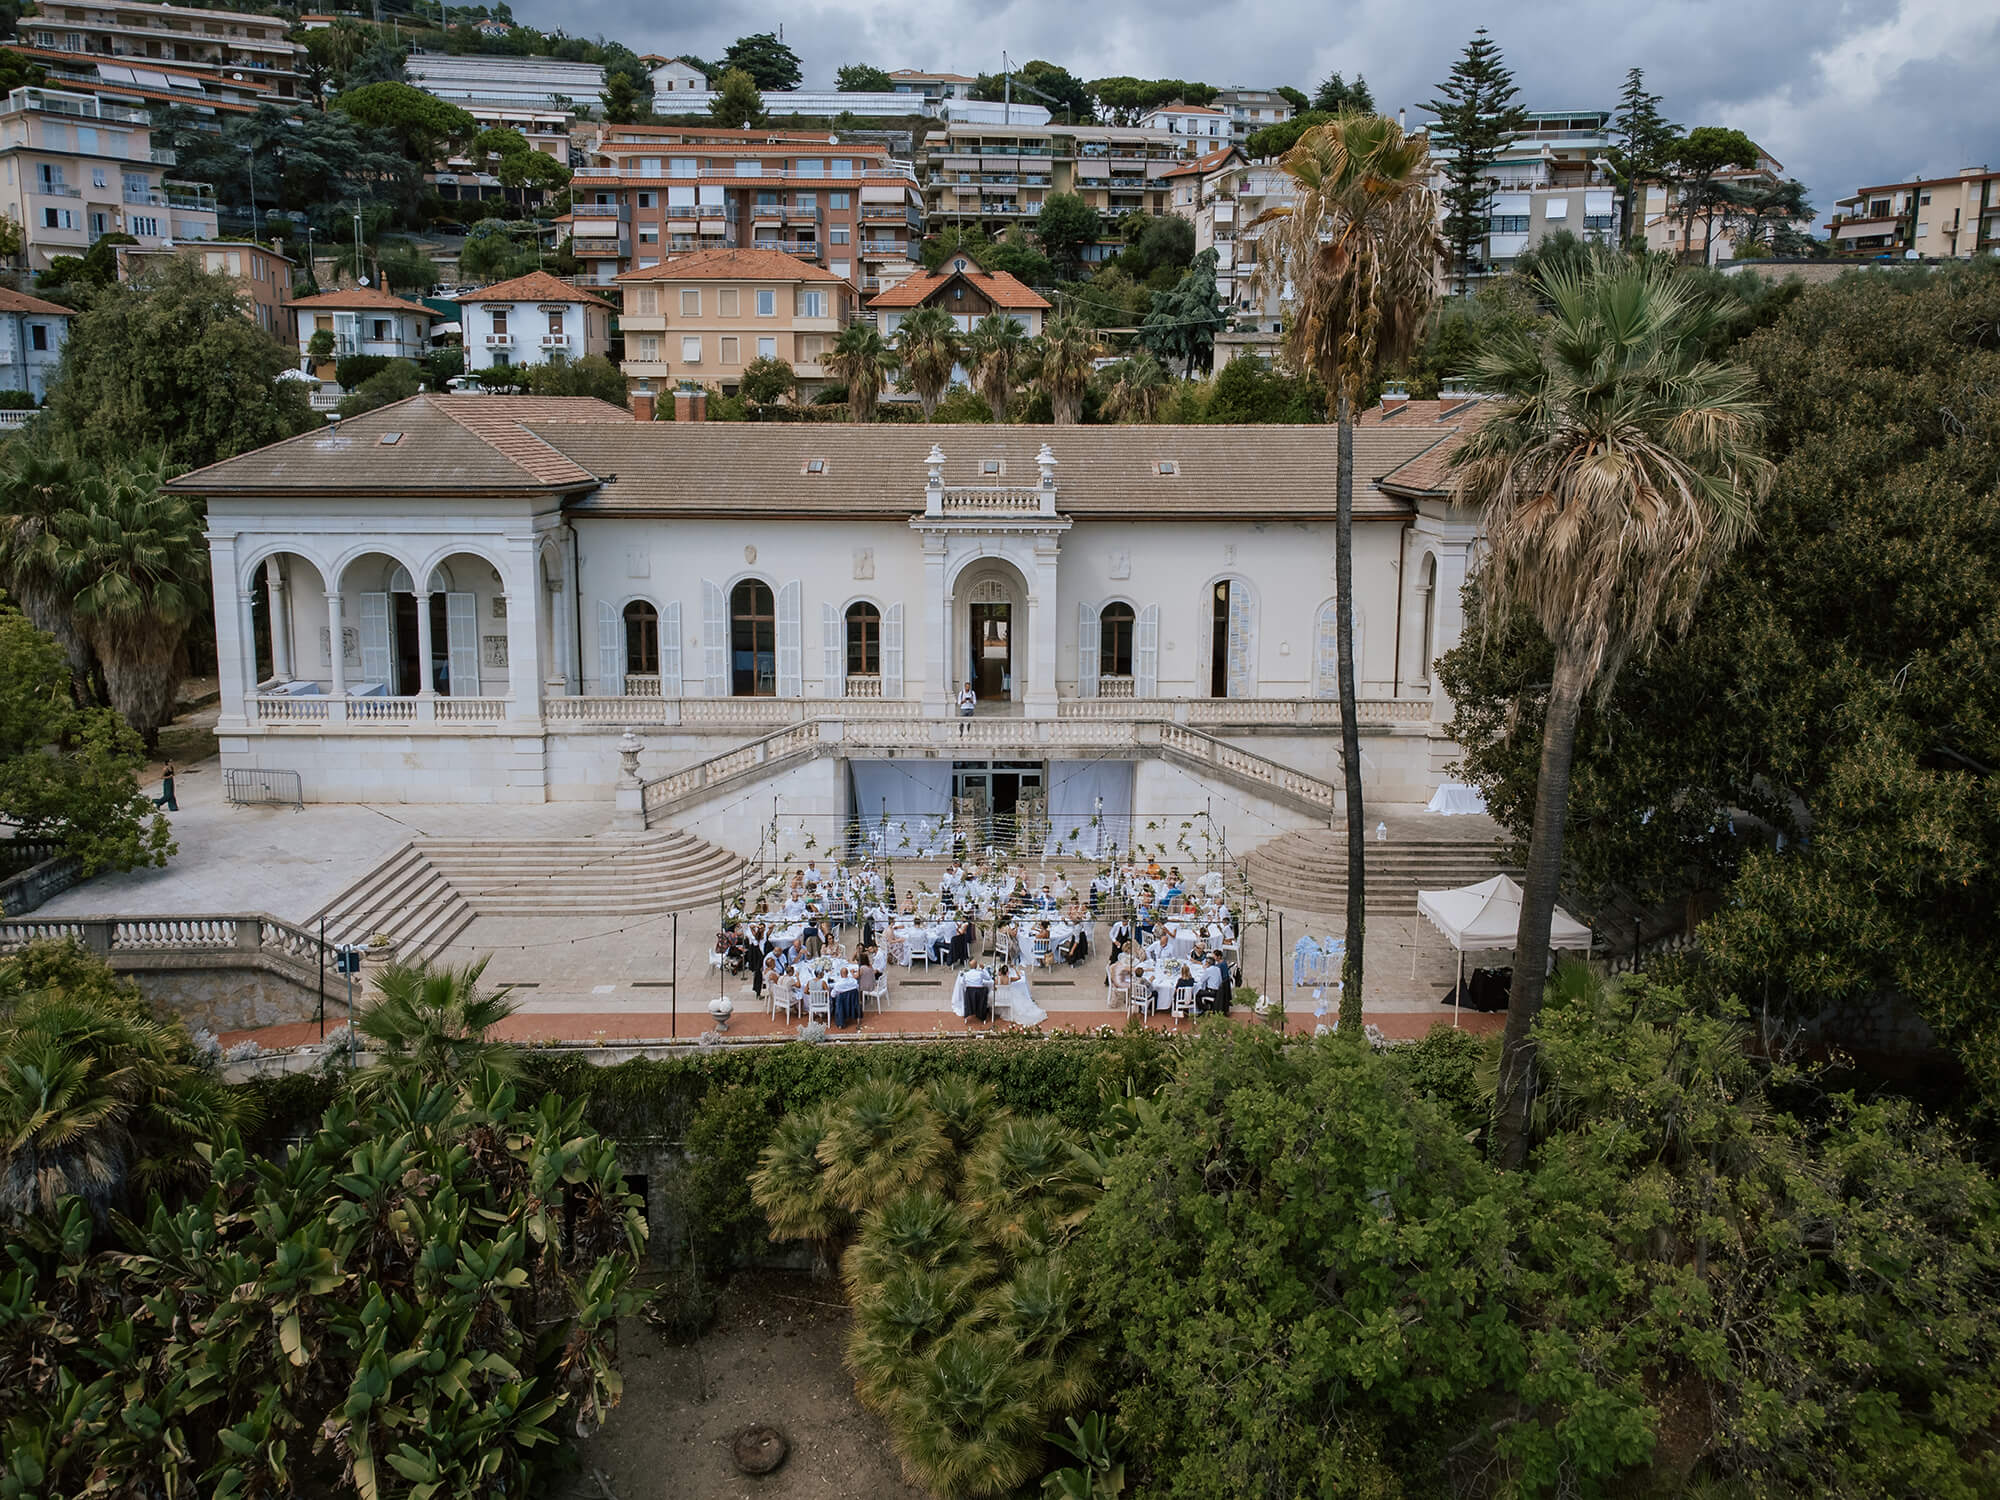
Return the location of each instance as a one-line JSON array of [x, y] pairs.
[[1477, 117], [1646, 140]]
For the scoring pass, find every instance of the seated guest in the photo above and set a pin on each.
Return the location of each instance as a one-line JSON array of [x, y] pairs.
[[1123, 968], [1145, 924], [1075, 948], [810, 941], [770, 974], [1074, 914], [1213, 993], [1042, 945], [1045, 899], [810, 875], [1153, 870], [1121, 934], [1062, 886], [1100, 887]]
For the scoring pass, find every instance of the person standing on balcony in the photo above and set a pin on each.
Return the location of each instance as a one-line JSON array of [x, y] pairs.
[[967, 701]]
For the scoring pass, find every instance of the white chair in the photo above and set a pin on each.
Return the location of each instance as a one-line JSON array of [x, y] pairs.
[[1183, 1003], [819, 1005], [780, 992], [920, 947], [880, 995], [1139, 997], [1003, 945]]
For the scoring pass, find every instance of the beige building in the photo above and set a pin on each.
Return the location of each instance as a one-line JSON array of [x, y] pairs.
[[1702, 241], [76, 169], [703, 317], [997, 176], [224, 43], [261, 274], [1223, 194], [1943, 218]]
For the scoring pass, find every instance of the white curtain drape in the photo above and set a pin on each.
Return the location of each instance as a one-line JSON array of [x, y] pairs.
[[903, 807], [1077, 825]]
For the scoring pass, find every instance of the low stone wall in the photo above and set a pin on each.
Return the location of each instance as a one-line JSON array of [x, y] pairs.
[[227, 996]]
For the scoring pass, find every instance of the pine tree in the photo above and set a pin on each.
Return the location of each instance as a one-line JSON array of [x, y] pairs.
[[1337, 97], [1477, 117], [1646, 140]]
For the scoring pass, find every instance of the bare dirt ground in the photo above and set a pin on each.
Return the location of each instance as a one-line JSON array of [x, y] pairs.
[[773, 1357]]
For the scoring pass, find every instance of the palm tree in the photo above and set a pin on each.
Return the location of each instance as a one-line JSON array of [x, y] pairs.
[[927, 347], [1618, 468], [1038, 1311], [862, 361], [897, 1320], [1026, 1186], [964, 1109], [792, 1187], [36, 483], [1360, 248], [1138, 386], [881, 1142], [966, 1420], [133, 561], [922, 1230], [1066, 353], [95, 1098], [432, 1023], [996, 350]]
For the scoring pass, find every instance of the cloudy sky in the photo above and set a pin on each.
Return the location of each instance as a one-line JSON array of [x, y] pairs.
[[1844, 92]]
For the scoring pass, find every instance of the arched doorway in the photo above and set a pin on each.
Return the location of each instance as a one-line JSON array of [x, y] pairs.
[[1427, 603], [289, 636], [989, 647]]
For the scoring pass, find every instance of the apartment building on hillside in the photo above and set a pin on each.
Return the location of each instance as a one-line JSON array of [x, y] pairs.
[[1223, 194], [519, 82], [1698, 239], [262, 275], [997, 176], [1552, 176], [1944, 218], [931, 86], [1251, 110], [701, 318], [1200, 123], [77, 169], [175, 47], [654, 192]]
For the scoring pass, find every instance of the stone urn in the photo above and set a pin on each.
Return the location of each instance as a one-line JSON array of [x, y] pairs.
[[759, 1449], [377, 953]]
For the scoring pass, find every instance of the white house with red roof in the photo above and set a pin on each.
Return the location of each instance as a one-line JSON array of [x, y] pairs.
[[532, 320], [1197, 122], [363, 320], [32, 335], [966, 292]]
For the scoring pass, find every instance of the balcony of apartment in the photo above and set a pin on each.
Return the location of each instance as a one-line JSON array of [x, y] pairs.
[[74, 106], [600, 247], [888, 213], [884, 250], [803, 249]]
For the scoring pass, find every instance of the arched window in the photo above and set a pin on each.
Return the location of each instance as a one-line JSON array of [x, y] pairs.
[[1427, 602], [1114, 641], [753, 640], [864, 640], [642, 639]]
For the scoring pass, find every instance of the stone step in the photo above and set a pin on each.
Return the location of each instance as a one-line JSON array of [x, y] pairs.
[[1307, 871]]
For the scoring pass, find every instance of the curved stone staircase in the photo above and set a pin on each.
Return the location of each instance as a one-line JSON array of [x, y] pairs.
[[1307, 871], [429, 891]]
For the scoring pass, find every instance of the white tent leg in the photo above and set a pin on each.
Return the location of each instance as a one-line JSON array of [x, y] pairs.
[[1458, 995]]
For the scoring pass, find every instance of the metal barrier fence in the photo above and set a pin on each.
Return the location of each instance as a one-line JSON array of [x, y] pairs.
[[244, 787]]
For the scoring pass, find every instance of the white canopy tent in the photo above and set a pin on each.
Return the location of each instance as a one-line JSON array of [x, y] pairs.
[[1487, 917]]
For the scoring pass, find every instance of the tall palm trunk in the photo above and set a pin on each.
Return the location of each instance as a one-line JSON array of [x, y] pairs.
[[1350, 724], [1516, 1091]]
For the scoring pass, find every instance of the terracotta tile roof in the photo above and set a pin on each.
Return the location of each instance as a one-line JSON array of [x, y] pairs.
[[20, 302], [998, 287], [734, 265], [1446, 422], [805, 146], [536, 286], [445, 445], [363, 298], [932, 77], [737, 469], [1184, 109], [1202, 164]]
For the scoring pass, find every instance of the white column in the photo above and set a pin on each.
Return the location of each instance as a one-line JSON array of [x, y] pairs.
[[228, 633], [1454, 559], [524, 632], [1044, 625], [425, 680], [246, 627], [939, 689], [281, 620], [335, 632]]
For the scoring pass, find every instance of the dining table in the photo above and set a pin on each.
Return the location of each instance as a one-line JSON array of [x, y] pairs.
[[1013, 1001]]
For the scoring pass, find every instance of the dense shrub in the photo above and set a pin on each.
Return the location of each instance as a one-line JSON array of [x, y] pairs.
[[351, 369]]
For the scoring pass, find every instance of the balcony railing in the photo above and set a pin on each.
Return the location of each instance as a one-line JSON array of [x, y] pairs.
[[804, 249], [555, 341]]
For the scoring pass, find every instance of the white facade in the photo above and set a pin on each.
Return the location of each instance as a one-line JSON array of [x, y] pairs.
[[1192, 122], [520, 82], [392, 332], [446, 644], [531, 332]]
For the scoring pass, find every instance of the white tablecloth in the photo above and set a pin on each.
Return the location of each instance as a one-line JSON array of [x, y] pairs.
[[1024, 937], [1163, 979], [1456, 797], [1011, 1002]]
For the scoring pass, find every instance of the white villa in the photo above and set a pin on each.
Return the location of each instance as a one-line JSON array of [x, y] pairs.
[[476, 597], [363, 320], [533, 320]]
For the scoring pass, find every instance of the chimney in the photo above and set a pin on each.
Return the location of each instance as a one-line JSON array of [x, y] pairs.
[[690, 404], [1394, 397], [642, 402]]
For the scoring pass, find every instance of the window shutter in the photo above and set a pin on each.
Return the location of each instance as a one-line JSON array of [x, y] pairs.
[[374, 638], [670, 651], [892, 651], [1242, 672], [1086, 651], [1146, 654], [714, 639], [833, 652], [791, 643], [461, 634], [610, 650], [1326, 657]]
